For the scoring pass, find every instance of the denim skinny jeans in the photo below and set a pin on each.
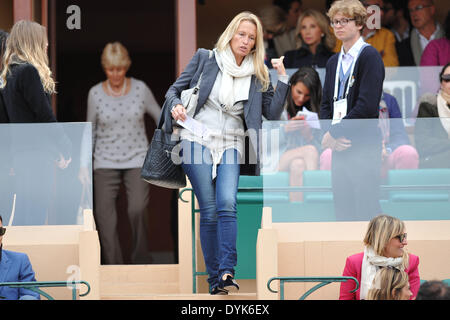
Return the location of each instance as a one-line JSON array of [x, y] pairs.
[[217, 201]]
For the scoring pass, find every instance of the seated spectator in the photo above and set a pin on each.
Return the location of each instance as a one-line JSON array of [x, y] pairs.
[[385, 242], [395, 19], [434, 290], [287, 40], [315, 42], [302, 140], [390, 284], [425, 29], [15, 267], [437, 52], [433, 137], [397, 152], [273, 20], [381, 39]]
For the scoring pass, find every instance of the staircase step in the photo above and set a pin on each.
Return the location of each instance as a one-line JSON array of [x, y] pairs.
[[160, 273], [180, 296], [139, 288], [126, 280]]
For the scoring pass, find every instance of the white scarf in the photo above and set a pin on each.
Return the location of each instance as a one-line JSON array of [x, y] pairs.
[[444, 111], [235, 79], [369, 268]]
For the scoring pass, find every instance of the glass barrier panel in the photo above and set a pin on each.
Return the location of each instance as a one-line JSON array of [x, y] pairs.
[[382, 168], [45, 173], [406, 84]]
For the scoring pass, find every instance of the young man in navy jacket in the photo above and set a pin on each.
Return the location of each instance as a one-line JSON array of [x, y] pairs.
[[352, 91]]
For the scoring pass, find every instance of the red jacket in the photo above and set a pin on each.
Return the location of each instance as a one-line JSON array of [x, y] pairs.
[[353, 269]]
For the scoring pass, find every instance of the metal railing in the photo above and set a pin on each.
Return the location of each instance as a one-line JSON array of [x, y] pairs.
[[195, 273], [323, 282], [35, 285]]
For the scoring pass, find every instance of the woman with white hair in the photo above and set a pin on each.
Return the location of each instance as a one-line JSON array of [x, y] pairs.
[[116, 109], [234, 92]]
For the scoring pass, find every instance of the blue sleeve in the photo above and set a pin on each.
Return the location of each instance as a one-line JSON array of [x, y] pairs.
[[183, 81], [398, 134], [27, 275], [273, 100]]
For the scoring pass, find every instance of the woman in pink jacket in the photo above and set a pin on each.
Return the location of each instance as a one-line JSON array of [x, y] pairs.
[[385, 243], [437, 52]]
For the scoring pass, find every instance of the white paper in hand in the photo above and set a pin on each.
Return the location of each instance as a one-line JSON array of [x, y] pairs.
[[196, 127], [312, 118]]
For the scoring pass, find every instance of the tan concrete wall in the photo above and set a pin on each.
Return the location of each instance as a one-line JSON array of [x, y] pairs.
[[60, 253], [51, 249]]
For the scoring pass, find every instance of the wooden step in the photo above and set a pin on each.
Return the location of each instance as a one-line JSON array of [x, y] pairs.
[[126, 280], [198, 296], [139, 273]]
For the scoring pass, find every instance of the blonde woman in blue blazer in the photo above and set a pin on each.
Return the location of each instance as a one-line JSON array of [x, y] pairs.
[[235, 91]]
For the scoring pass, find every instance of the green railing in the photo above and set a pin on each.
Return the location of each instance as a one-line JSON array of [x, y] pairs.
[[195, 273], [323, 282], [34, 286]]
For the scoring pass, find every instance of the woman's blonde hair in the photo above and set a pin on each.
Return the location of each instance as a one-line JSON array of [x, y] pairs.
[[328, 40], [257, 53], [27, 43], [387, 284], [380, 231], [353, 9], [115, 55]]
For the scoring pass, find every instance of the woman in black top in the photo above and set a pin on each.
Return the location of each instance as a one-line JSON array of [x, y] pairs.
[[301, 134], [3, 115], [314, 44], [27, 85]]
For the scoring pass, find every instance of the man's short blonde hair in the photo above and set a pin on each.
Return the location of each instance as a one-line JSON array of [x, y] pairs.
[[352, 9], [115, 55]]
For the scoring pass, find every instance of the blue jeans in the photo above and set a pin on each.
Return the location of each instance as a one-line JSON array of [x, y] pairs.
[[217, 201]]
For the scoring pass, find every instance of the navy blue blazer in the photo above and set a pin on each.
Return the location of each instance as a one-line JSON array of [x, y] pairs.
[[363, 100], [16, 267], [269, 103]]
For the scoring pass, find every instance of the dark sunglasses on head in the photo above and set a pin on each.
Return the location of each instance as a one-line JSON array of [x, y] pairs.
[[401, 237], [2, 231]]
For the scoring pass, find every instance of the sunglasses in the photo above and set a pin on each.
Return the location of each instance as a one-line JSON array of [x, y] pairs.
[[445, 80], [2, 231], [401, 237]]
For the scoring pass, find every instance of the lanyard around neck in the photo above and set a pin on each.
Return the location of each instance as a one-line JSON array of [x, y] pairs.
[[339, 65]]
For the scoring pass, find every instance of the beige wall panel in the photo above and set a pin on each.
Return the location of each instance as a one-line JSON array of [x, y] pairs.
[[60, 256]]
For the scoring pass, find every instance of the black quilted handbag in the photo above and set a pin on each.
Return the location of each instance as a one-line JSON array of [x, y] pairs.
[[162, 165]]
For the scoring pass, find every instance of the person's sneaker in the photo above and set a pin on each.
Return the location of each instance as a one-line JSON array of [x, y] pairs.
[[218, 291], [227, 282]]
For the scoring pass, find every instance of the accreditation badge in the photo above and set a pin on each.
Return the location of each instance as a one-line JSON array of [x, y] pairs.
[[339, 110]]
